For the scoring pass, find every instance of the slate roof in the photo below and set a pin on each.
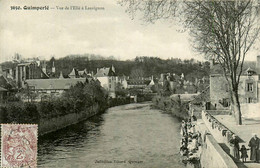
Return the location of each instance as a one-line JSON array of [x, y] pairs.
[[74, 73], [217, 69], [137, 82], [9, 81], [203, 96], [54, 84], [249, 70], [103, 72], [185, 97], [84, 72]]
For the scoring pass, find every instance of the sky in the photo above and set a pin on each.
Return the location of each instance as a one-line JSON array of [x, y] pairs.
[[108, 32]]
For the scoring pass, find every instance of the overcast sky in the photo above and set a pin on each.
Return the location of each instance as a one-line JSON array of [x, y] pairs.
[[104, 32]]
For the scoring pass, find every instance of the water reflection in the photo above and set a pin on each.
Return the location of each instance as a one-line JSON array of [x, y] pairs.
[[127, 136]]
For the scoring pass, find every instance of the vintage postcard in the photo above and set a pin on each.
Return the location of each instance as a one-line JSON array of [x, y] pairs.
[[130, 83]]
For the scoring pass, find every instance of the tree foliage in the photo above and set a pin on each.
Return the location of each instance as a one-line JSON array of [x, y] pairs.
[[225, 31], [222, 30], [144, 66], [76, 99]]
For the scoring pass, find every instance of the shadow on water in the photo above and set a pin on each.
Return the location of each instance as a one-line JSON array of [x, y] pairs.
[[71, 136], [89, 135]]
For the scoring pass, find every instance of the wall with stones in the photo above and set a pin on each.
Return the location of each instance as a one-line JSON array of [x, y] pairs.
[[214, 156], [218, 90], [51, 125]]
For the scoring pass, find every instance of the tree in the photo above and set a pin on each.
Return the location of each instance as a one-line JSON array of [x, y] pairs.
[[222, 30]]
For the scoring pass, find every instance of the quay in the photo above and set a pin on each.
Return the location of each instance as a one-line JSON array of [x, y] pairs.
[[217, 128]]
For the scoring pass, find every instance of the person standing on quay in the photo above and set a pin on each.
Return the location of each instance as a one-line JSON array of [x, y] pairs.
[[254, 147], [234, 143], [244, 153]]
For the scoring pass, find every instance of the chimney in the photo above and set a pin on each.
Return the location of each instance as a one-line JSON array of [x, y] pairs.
[[44, 67], [61, 75], [258, 65], [53, 68]]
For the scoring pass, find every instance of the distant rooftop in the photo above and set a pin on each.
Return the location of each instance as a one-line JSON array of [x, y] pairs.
[[54, 84], [102, 72], [248, 65]]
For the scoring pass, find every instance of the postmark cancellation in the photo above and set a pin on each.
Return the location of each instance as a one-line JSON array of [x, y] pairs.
[[19, 145]]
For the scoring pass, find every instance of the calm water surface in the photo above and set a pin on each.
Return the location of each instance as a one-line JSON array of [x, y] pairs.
[[114, 139]]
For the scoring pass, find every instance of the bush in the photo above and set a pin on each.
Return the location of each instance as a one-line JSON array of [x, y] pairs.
[[77, 99], [173, 106]]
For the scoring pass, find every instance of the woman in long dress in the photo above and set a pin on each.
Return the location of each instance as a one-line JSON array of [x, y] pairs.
[[234, 143], [254, 147]]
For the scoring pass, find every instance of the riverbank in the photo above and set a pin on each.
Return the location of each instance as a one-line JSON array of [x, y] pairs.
[[46, 126], [207, 140], [53, 124], [55, 115], [173, 105]]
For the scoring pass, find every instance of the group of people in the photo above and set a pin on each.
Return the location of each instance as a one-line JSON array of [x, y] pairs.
[[191, 139], [254, 144]]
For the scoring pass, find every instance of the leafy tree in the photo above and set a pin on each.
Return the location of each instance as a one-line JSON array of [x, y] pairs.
[[120, 91], [223, 30]]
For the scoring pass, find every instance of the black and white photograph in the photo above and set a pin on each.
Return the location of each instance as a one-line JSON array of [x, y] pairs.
[[130, 83]]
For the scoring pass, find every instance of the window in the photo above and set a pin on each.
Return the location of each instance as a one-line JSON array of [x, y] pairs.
[[109, 86], [249, 100], [249, 87], [109, 80]]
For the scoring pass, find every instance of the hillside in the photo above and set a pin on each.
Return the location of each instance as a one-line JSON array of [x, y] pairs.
[[140, 67]]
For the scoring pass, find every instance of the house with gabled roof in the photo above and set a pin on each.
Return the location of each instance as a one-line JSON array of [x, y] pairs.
[[53, 86], [107, 78], [83, 73], [25, 70], [74, 73], [7, 85], [248, 89]]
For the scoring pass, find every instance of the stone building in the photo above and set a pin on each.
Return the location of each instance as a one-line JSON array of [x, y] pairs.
[[24, 71], [51, 87], [107, 78], [248, 86]]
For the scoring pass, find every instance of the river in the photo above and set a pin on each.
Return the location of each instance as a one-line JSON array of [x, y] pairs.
[[132, 135]]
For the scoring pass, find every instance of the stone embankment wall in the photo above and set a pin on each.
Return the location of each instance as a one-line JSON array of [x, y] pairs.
[[219, 112], [50, 125], [221, 133], [214, 156]]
